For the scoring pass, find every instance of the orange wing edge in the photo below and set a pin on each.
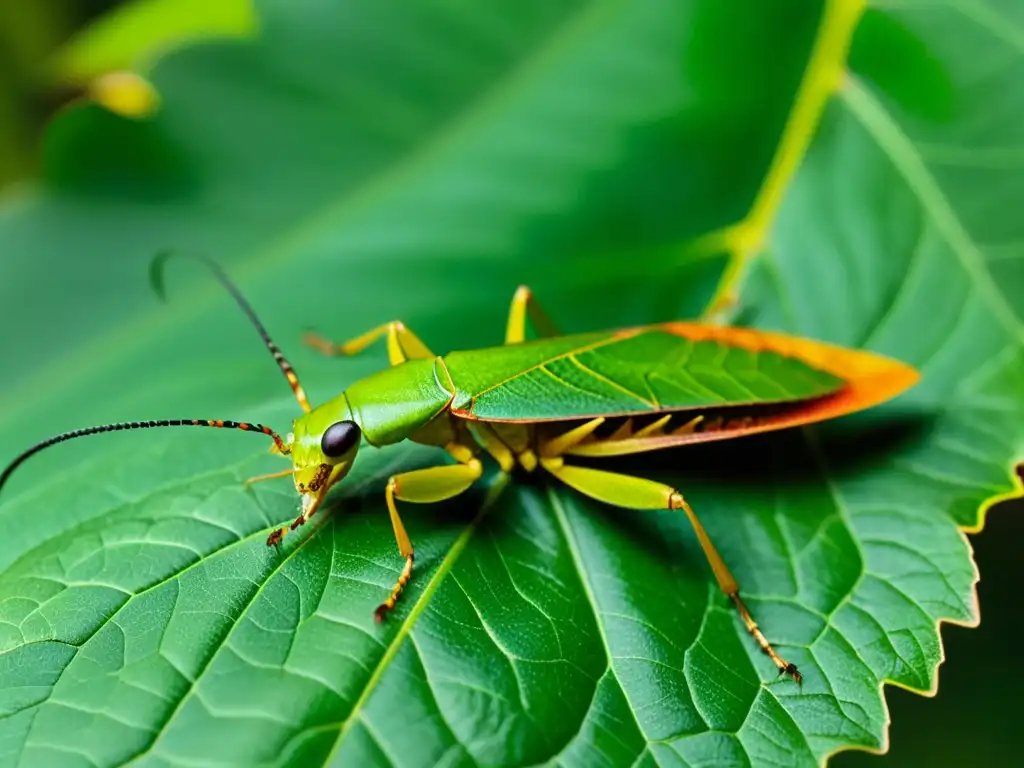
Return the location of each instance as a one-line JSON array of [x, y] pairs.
[[871, 379]]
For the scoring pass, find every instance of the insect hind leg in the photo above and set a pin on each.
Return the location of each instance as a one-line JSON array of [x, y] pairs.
[[639, 493], [525, 306]]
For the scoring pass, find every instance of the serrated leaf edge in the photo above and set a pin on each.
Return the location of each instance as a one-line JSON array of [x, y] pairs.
[[826, 76], [1017, 475], [868, 110]]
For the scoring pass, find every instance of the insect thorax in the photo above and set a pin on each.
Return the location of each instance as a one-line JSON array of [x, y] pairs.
[[394, 403]]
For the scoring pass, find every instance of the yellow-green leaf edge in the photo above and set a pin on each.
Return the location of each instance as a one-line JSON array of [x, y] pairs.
[[826, 77]]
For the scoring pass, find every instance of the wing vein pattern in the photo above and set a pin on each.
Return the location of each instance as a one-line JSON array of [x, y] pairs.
[[633, 371]]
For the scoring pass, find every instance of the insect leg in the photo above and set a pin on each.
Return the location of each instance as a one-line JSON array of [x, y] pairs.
[[523, 305], [492, 444], [639, 493], [424, 486], [403, 344], [271, 476], [310, 502], [556, 446]]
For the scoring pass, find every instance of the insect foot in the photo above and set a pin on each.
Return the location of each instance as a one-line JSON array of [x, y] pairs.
[[784, 667], [727, 583], [791, 670], [275, 536], [388, 605]]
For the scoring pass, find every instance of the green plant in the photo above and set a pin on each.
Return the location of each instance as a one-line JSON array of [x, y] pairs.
[[362, 162]]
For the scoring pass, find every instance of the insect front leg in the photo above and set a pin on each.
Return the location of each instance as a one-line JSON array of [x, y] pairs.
[[270, 476], [639, 493], [424, 486], [523, 306], [403, 344], [311, 502]]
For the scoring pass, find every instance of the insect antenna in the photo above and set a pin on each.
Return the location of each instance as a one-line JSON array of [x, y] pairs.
[[156, 275], [243, 425]]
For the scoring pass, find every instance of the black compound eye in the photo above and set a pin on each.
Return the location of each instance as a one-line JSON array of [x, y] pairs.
[[339, 439]]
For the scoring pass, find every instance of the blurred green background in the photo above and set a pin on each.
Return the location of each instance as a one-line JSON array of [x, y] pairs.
[[30, 33], [973, 719]]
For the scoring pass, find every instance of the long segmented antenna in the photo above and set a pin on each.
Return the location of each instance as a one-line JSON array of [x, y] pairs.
[[156, 275], [243, 425]]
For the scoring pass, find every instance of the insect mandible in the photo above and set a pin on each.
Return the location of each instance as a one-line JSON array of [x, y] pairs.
[[537, 404]]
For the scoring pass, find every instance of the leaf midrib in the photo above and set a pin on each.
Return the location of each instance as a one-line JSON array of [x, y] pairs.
[[825, 65], [447, 563], [588, 590]]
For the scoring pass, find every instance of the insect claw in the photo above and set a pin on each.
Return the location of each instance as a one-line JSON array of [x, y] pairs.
[[274, 539], [791, 670]]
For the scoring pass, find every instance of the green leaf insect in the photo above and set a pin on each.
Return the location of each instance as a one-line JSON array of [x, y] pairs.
[[540, 403]]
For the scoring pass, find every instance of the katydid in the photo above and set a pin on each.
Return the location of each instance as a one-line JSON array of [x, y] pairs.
[[537, 404]]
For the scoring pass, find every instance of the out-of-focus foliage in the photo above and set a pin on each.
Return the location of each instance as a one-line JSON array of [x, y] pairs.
[[137, 32], [29, 33], [359, 162], [53, 52]]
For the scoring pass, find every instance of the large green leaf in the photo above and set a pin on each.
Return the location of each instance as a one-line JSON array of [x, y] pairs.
[[364, 162]]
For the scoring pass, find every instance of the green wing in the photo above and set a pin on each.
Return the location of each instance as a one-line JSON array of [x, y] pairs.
[[624, 373]]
